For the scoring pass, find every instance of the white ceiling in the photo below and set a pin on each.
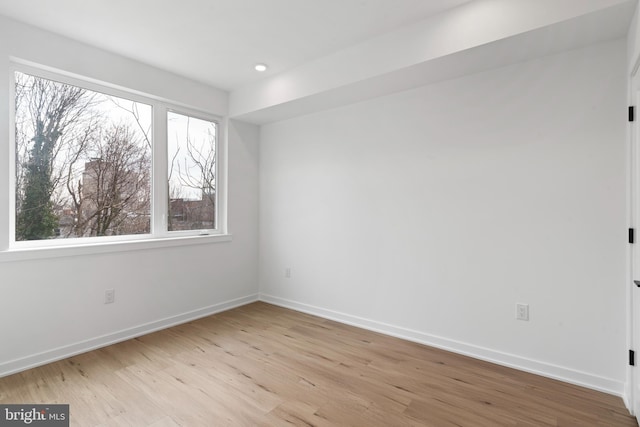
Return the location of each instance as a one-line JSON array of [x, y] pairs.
[[217, 42], [471, 38]]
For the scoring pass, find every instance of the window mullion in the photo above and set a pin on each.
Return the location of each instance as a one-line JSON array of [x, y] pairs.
[[8, 192], [160, 189]]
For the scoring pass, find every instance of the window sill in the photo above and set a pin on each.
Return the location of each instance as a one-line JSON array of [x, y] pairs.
[[22, 254]]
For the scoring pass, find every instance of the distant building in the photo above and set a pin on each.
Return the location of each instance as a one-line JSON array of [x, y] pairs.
[[111, 202], [185, 214]]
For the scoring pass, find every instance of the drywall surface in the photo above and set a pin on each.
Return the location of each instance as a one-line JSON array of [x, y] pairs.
[[471, 38], [430, 213], [53, 307], [633, 44]]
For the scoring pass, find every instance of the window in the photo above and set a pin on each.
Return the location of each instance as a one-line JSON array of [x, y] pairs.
[[89, 160], [83, 162], [192, 172]]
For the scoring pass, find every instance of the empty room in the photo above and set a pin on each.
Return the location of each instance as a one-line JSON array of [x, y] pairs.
[[319, 213]]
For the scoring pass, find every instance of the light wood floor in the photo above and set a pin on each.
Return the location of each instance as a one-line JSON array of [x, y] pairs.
[[265, 365]]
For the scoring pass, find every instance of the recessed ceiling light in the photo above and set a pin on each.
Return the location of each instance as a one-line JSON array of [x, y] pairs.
[[261, 67]]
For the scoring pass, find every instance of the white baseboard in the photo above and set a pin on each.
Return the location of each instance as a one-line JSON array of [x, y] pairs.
[[568, 375], [584, 379], [626, 398], [17, 365]]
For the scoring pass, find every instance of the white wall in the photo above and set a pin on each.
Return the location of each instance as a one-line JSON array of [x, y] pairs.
[[53, 307], [429, 213], [633, 42]]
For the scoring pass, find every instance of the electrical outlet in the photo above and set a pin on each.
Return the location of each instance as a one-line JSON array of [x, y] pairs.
[[522, 312], [109, 296], [287, 273]]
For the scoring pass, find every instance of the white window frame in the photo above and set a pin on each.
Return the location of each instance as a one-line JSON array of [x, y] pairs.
[[159, 235], [195, 115]]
